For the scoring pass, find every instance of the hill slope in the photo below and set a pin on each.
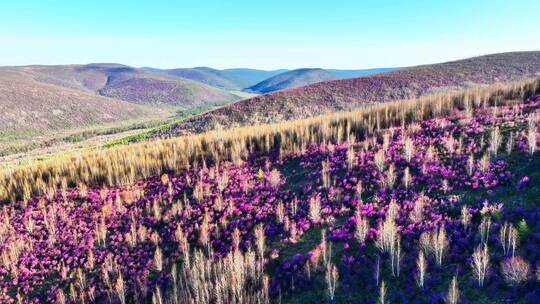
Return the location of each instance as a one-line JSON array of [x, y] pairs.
[[43, 105], [229, 79], [129, 84], [379, 203], [28, 104], [346, 94], [291, 79], [302, 77], [248, 77]]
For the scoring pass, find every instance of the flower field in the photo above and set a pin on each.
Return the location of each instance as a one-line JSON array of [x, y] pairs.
[[439, 210]]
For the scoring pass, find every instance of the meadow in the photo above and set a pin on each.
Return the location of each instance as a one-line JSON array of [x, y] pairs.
[[432, 200]]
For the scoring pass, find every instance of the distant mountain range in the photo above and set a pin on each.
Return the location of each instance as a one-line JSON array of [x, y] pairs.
[[127, 83], [65, 97], [302, 77], [41, 99], [32, 102], [346, 94], [49, 99], [229, 79], [260, 81], [292, 79]]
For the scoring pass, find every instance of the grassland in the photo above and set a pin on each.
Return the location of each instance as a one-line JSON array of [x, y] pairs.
[[342, 208]]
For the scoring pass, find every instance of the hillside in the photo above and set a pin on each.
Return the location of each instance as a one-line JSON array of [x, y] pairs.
[[346, 94], [229, 79], [323, 210], [248, 77], [43, 106], [302, 77], [260, 81], [28, 104], [127, 83], [292, 79], [177, 92]]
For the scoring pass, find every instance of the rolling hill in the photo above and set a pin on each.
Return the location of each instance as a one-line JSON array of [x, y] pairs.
[[261, 81], [229, 79], [291, 79], [41, 105], [29, 104], [129, 84], [305, 76], [346, 94], [248, 77]]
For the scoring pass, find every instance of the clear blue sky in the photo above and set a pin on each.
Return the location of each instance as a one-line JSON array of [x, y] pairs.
[[263, 34]]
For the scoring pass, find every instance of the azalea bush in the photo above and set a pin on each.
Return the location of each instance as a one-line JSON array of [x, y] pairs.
[[417, 213]]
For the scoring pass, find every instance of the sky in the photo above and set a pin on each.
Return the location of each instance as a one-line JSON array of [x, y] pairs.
[[271, 34]]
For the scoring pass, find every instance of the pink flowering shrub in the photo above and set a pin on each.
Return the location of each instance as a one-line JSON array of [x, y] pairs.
[[84, 243]]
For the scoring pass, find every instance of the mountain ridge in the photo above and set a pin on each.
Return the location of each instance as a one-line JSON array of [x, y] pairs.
[[294, 78], [305, 76], [346, 94], [228, 79], [128, 83]]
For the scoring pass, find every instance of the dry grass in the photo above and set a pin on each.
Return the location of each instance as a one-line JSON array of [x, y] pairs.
[[125, 164], [361, 228], [515, 270], [453, 292], [508, 236], [480, 264], [331, 280], [484, 229], [237, 278], [421, 264], [435, 243]]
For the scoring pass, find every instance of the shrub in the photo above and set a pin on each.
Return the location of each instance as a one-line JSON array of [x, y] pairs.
[[421, 263], [480, 264], [523, 229], [508, 237], [436, 243], [515, 270], [331, 280], [382, 294], [362, 228], [453, 292]]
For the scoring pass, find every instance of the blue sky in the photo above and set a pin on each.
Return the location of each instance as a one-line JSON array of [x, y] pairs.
[[263, 34]]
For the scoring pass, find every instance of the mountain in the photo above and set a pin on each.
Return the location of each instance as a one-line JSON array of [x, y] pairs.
[[209, 76], [291, 79], [129, 84], [41, 105], [302, 77], [30, 104], [346, 94], [229, 79], [248, 77], [260, 81]]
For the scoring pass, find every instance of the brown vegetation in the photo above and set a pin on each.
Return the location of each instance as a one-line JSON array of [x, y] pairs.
[[125, 164]]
